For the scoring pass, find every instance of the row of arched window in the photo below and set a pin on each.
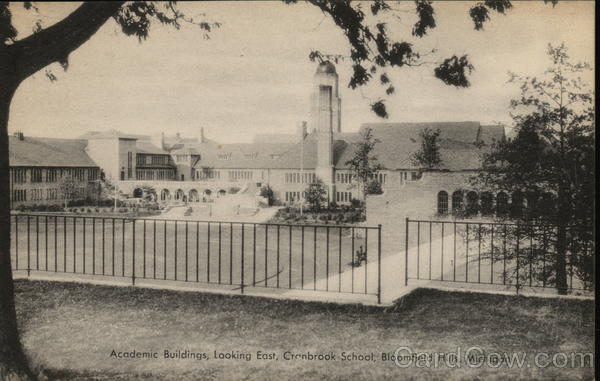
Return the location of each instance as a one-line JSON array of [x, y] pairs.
[[471, 203]]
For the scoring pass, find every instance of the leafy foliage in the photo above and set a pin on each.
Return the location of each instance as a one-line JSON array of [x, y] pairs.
[[371, 47], [373, 187], [428, 156], [68, 188], [316, 195], [454, 70], [267, 193], [364, 164], [551, 161], [426, 19], [480, 13]]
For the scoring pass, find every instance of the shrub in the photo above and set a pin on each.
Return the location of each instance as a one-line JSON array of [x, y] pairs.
[[267, 193], [55, 208], [356, 203], [359, 257], [373, 187]]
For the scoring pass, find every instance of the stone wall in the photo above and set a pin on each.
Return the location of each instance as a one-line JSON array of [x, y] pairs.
[[415, 199]]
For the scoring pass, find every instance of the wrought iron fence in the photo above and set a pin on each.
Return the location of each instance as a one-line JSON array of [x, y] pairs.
[[508, 254], [330, 258]]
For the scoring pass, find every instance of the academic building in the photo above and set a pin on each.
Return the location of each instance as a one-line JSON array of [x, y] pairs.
[[197, 169]]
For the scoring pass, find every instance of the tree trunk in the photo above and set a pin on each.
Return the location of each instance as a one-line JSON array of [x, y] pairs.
[[561, 239], [13, 362]]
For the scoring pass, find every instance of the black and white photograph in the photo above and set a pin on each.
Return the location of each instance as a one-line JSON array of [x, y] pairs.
[[297, 190]]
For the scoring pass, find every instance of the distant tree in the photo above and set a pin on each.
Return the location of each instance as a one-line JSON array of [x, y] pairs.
[[428, 156], [550, 165], [109, 191], [267, 193], [316, 195], [364, 164], [68, 188], [373, 187]]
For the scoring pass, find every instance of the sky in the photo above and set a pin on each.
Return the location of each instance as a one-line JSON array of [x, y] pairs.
[[253, 75]]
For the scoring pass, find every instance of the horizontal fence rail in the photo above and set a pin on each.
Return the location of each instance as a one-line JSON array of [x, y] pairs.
[[330, 258], [506, 254]]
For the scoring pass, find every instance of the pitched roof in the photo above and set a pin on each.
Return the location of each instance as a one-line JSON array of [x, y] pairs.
[[249, 155], [490, 134], [48, 152], [276, 138], [397, 142], [144, 146], [111, 134]]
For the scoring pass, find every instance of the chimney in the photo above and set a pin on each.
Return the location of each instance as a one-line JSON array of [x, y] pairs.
[[301, 130], [19, 135], [201, 134]]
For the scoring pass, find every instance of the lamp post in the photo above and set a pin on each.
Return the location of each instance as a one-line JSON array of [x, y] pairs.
[[301, 171]]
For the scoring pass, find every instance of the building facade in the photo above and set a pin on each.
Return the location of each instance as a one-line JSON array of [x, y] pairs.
[[197, 169]]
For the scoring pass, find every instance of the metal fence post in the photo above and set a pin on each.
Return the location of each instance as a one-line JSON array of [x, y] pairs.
[[133, 252], [379, 264], [406, 254], [242, 274]]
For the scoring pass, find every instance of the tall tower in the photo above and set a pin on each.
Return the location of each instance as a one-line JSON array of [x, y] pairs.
[[325, 116]]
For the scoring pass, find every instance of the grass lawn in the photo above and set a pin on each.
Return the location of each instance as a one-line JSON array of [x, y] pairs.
[[70, 330]]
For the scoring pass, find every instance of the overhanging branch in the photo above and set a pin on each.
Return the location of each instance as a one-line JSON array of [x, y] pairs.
[[56, 42]]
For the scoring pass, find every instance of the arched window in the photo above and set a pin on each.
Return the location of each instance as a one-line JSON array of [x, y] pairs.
[[164, 195], [501, 204], [472, 203], [138, 193], [442, 203], [457, 202], [516, 206], [487, 204], [193, 196]]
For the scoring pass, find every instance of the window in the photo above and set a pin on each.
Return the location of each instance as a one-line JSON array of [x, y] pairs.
[[472, 203], [297, 178], [51, 194], [129, 165], [516, 206], [501, 204], [442, 203], [36, 175], [487, 204], [457, 202], [36, 195], [93, 174], [224, 156], [19, 175], [19, 195], [240, 175], [51, 175]]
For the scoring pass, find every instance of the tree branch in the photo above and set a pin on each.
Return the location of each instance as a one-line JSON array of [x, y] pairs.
[[56, 42]]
